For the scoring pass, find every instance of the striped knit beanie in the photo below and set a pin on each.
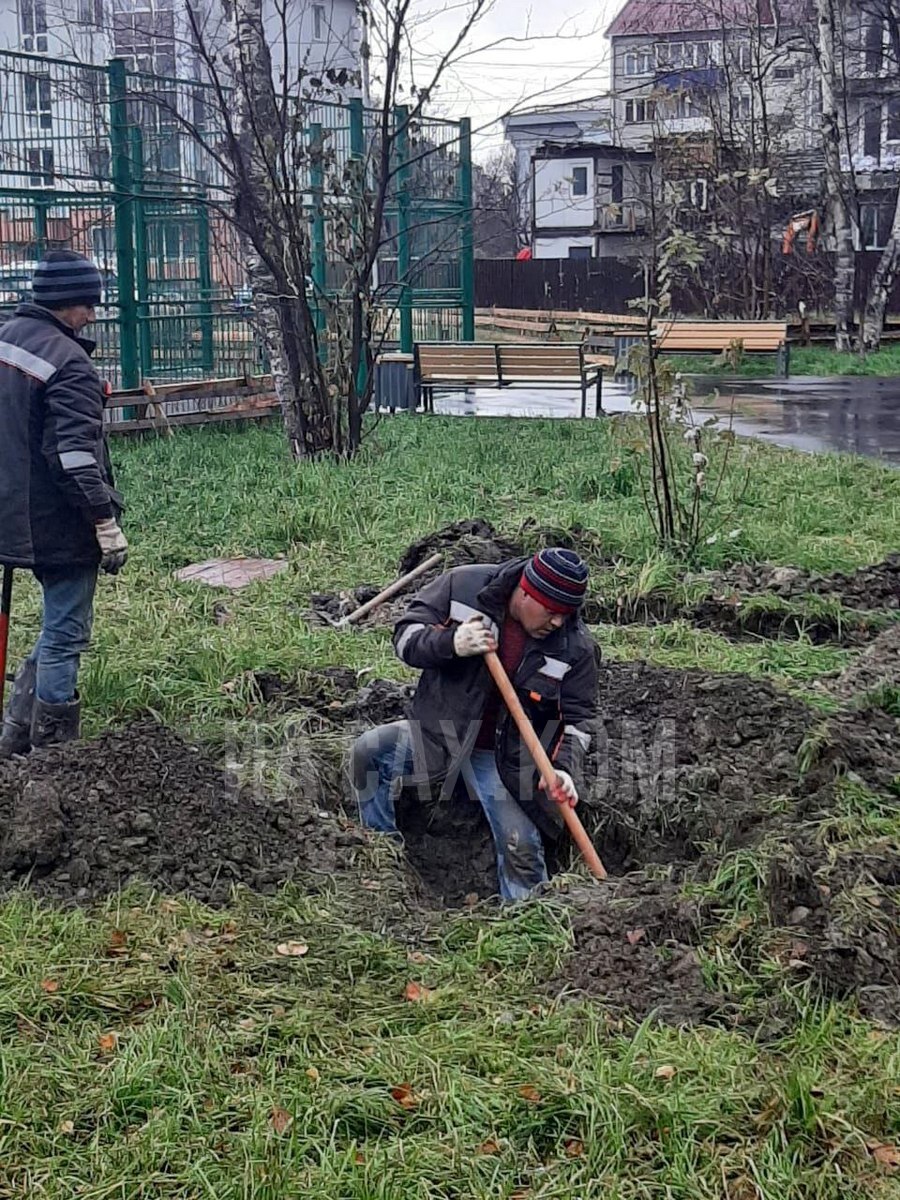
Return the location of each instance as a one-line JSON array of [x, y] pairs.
[[64, 278], [557, 579]]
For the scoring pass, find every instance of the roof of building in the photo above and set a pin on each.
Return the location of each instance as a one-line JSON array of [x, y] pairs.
[[700, 16]]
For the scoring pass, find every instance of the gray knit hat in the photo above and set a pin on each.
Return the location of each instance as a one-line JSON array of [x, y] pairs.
[[64, 278]]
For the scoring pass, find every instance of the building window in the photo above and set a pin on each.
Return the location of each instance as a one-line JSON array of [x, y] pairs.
[[743, 56], [144, 34], [677, 56], [893, 120], [580, 252], [639, 62], [703, 54], [40, 163], [685, 106], [874, 47], [90, 12], [875, 225], [743, 107], [699, 194], [872, 132], [38, 105], [579, 181], [637, 112], [33, 17], [783, 73], [319, 22], [617, 184]]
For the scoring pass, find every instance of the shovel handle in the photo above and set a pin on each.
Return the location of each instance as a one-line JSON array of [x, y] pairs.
[[5, 607], [542, 762], [390, 590]]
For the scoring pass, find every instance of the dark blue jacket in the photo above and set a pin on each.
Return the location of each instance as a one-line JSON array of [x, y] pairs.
[[55, 476]]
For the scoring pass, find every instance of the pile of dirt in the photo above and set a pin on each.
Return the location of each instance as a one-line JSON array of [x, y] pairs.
[[870, 588], [877, 667], [139, 803], [461, 543]]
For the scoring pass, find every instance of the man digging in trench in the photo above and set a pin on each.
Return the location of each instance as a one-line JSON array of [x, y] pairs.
[[58, 505], [528, 610]]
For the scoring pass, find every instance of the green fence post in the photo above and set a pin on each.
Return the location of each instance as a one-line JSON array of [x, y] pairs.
[[40, 227], [124, 201], [207, 351], [142, 286], [358, 155], [318, 264], [401, 141], [466, 241]]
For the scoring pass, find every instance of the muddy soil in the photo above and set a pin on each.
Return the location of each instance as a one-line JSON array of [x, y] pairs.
[[877, 667], [140, 804], [869, 588]]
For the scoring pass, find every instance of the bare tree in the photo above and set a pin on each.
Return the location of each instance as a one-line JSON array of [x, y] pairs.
[[499, 227]]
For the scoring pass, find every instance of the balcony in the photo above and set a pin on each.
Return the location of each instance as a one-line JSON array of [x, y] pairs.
[[628, 216]]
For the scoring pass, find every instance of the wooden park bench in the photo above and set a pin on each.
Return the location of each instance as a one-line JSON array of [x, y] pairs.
[[704, 337], [455, 366]]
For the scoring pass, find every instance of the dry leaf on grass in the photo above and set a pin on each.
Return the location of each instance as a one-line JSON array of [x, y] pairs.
[[530, 1093], [416, 992], [117, 945], [416, 956], [574, 1148], [665, 1072], [405, 1096], [280, 1120], [489, 1147], [67, 1127], [292, 949], [313, 1074], [887, 1156], [49, 986], [108, 1042]]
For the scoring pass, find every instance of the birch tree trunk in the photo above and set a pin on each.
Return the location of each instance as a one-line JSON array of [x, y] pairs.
[[274, 256], [886, 275], [838, 211]]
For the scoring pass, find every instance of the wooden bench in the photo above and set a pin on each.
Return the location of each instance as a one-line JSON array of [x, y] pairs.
[[454, 366], [702, 337]]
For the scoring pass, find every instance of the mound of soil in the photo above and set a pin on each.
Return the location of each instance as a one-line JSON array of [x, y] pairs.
[[869, 588], [139, 803], [877, 667]]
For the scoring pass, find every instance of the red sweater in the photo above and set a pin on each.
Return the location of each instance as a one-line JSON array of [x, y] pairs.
[[512, 647]]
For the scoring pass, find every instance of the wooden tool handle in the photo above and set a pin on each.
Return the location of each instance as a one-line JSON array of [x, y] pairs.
[[391, 589], [543, 763]]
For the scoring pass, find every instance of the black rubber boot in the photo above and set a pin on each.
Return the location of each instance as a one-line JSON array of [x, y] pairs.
[[53, 724], [16, 735]]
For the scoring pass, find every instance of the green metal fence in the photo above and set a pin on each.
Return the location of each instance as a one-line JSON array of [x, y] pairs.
[[98, 159]]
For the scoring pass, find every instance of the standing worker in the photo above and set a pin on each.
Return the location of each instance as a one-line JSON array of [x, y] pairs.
[[528, 610], [58, 507]]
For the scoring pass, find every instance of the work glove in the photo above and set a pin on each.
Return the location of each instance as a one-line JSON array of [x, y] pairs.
[[565, 791], [113, 546], [472, 637]]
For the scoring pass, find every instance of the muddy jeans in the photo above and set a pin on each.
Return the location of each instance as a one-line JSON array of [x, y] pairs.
[[383, 756], [65, 630]]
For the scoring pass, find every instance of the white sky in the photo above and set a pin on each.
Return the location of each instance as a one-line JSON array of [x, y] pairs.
[[518, 56]]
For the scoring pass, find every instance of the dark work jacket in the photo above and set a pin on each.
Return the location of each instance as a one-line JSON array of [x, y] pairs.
[[55, 476], [556, 682]]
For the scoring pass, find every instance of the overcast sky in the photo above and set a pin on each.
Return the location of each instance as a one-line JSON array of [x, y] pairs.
[[518, 56]]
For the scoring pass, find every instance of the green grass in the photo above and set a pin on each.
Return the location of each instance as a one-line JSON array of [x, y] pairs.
[[235, 1074], [805, 360]]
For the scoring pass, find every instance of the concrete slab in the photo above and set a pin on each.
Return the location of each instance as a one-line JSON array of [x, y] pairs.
[[232, 573]]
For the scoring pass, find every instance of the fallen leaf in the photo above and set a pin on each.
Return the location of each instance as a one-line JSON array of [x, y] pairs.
[[313, 1074], [530, 1093], [169, 906], [887, 1156], [470, 899], [489, 1147], [117, 944], [359, 1157], [573, 1148], [416, 956], [247, 1024], [67, 1127], [665, 1072], [405, 1096], [521, 1194], [416, 992], [292, 949], [371, 885], [280, 1119], [108, 1042], [49, 986], [635, 935]]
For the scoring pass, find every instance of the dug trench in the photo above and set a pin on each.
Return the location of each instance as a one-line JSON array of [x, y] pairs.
[[734, 820]]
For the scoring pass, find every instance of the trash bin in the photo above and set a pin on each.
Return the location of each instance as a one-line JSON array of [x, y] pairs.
[[394, 384]]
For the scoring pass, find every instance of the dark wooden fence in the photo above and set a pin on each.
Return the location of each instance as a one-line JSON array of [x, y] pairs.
[[608, 284]]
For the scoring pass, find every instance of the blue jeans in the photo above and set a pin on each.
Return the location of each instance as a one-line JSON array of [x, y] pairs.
[[65, 630], [383, 756]]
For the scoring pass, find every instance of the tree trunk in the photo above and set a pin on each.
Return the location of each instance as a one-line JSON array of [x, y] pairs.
[[838, 210], [886, 274], [283, 320]]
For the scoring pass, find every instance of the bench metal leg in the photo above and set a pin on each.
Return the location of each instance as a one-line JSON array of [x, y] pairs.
[[783, 360], [599, 412], [583, 401]]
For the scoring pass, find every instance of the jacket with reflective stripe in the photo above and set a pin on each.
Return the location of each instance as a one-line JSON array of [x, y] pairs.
[[55, 476], [556, 682]]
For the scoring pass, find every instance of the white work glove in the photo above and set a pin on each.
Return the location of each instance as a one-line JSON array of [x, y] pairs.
[[472, 637], [565, 791], [113, 546]]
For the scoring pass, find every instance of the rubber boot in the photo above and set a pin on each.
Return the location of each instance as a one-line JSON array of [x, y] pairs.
[[16, 735], [53, 724]]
